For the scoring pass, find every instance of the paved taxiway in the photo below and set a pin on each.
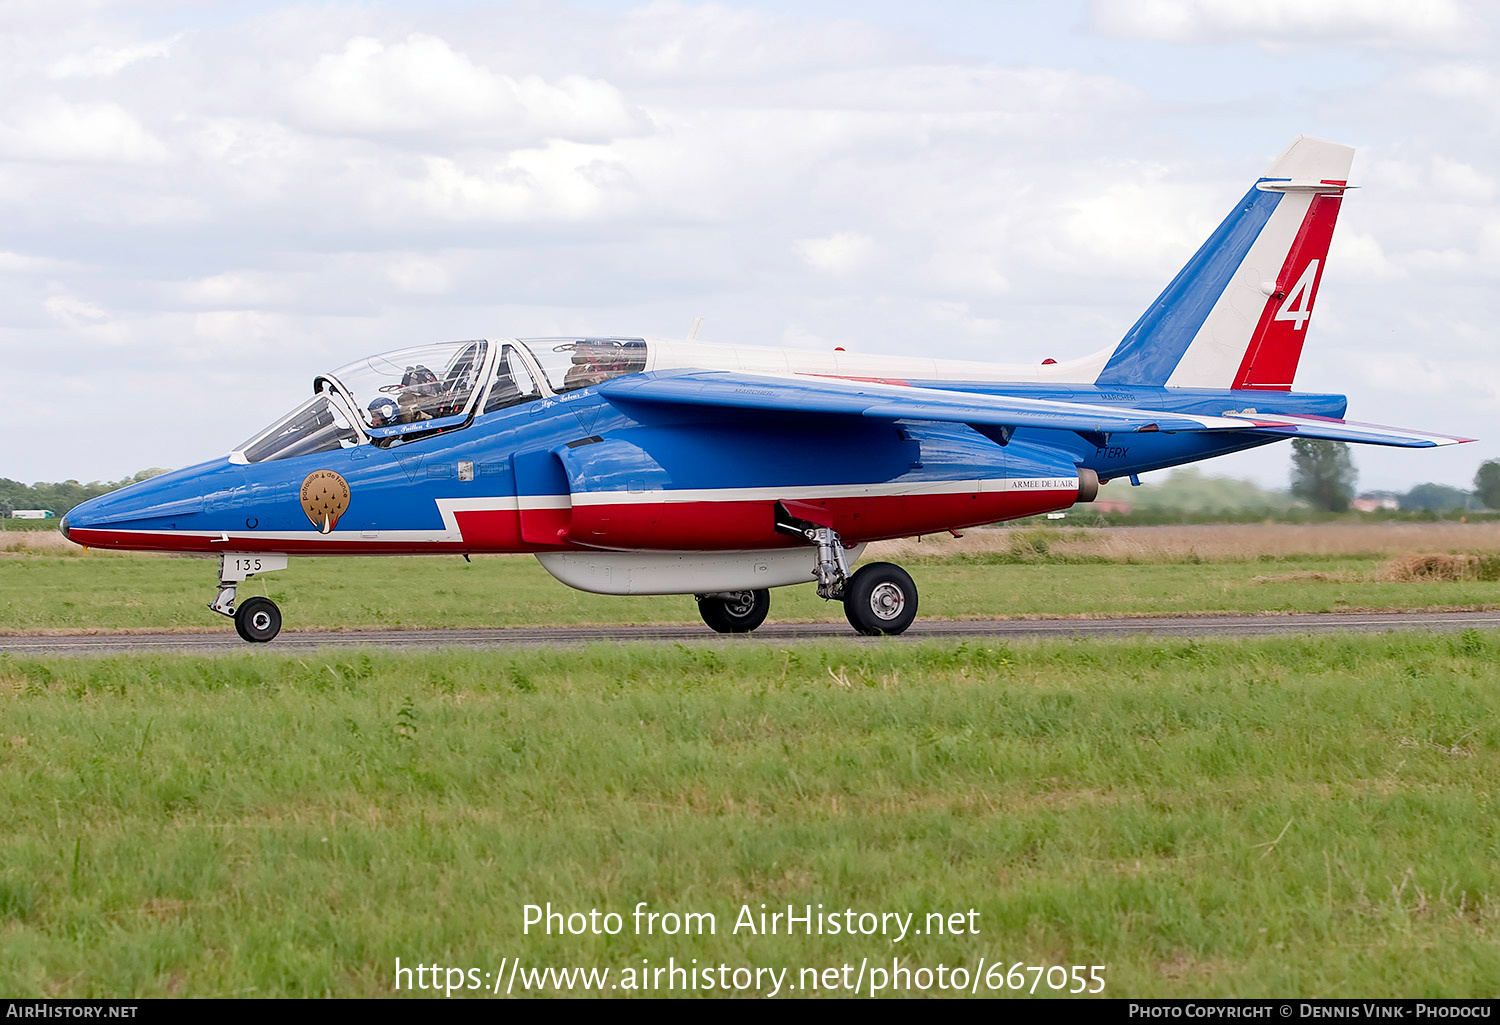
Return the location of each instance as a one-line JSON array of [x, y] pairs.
[[776, 633]]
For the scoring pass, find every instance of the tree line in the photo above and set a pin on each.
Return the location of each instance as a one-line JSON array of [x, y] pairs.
[[62, 496], [1323, 476]]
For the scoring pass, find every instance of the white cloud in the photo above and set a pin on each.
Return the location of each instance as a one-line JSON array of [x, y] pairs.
[[235, 290], [558, 182], [1456, 180], [72, 310], [1355, 255], [22, 263], [844, 252], [421, 85], [667, 39], [1145, 222], [1398, 24], [321, 180], [1456, 82], [798, 336], [103, 61], [54, 130], [418, 275], [959, 316], [937, 90]]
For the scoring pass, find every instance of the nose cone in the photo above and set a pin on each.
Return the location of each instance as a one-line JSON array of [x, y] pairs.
[[147, 516], [63, 528]]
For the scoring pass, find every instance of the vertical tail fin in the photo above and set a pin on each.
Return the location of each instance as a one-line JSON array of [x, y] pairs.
[[1237, 314]]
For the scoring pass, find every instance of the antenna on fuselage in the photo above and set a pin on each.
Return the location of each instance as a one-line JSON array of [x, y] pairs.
[[692, 334]]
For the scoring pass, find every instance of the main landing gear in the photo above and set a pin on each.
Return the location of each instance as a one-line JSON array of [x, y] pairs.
[[257, 619], [880, 598], [734, 612]]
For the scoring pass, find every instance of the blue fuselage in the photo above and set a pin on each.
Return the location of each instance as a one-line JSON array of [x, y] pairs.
[[580, 470]]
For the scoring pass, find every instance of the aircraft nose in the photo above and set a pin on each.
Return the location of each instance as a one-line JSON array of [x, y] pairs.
[[63, 528]]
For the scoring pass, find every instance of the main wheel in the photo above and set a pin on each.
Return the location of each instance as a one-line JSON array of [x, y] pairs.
[[257, 620], [880, 599], [735, 612]]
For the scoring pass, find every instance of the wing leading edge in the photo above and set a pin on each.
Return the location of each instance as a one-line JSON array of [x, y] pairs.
[[792, 394]]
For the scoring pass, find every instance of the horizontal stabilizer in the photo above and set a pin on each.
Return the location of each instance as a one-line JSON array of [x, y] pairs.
[[1346, 430], [801, 394]]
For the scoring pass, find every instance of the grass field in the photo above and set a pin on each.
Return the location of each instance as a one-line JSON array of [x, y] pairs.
[[46, 584], [1288, 817]]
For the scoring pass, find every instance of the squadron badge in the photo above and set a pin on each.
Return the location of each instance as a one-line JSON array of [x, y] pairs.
[[325, 497]]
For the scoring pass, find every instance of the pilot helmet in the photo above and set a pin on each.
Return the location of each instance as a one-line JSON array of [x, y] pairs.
[[383, 411]]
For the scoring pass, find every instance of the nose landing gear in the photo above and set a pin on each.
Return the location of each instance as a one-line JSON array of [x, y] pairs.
[[257, 619]]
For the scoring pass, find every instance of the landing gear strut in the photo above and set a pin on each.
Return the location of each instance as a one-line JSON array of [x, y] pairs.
[[257, 619], [880, 598], [734, 612]]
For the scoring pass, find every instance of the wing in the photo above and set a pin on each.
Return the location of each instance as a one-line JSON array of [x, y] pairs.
[[801, 394], [798, 394]]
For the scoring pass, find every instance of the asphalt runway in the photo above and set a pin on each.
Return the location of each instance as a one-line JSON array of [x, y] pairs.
[[775, 633]]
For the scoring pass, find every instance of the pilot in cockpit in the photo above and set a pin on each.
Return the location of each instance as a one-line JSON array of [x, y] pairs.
[[411, 404], [384, 412]]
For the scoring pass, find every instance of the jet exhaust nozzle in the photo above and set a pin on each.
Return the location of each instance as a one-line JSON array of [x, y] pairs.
[[1088, 484]]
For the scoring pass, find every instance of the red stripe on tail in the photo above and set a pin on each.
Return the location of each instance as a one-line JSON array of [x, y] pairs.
[[1270, 360]]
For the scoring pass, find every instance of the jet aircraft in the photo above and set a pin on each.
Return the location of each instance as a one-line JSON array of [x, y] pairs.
[[638, 466]]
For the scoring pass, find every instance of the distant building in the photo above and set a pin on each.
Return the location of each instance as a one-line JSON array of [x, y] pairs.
[[1111, 505], [1375, 503]]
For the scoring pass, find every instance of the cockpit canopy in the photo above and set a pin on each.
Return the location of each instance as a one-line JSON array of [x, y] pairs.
[[417, 385], [400, 396]]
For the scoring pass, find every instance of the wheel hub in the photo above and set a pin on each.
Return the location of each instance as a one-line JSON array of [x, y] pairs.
[[887, 601], [740, 603], [261, 620]]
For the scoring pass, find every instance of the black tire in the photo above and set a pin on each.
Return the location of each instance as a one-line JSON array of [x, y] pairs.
[[880, 598], [257, 620], [736, 612]]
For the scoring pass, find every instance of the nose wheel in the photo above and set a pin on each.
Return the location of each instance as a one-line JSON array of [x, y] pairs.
[[735, 612], [257, 620]]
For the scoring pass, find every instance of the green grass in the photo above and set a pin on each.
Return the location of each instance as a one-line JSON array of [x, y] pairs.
[[1268, 817], [110, 592], [9, 525]]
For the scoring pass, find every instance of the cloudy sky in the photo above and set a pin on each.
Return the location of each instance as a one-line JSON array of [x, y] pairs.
[[204, 204]]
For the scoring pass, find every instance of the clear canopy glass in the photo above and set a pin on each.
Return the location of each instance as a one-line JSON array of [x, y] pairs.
[[412, 393], [426, 382], [318, 425], [579, 362], [513, 382]]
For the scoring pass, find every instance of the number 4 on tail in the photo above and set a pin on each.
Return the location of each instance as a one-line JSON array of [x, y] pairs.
[[1298, 305]]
